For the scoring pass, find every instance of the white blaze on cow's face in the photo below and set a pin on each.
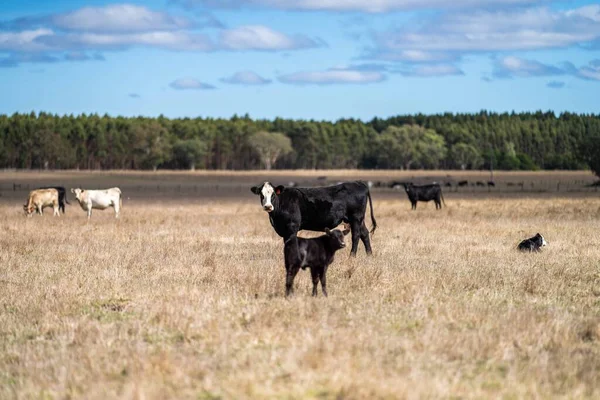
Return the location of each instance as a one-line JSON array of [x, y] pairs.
[[266, 197], [543, 241]]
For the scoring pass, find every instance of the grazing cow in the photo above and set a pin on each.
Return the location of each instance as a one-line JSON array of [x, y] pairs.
[[99, 199], [479, 183], [491, 183], [293, 209], [317, 254], [41, 198], [62, 196], [463, 183], [424, 193], [533, 244]]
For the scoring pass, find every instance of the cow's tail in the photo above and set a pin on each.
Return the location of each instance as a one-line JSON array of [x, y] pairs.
[[372, 215]]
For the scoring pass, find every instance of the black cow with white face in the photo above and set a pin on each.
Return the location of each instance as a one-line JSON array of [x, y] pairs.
[[293, 209], [424, 193]]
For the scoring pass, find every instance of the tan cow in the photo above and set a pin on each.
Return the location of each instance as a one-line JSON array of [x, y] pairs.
[[40, 199], [99, 199]]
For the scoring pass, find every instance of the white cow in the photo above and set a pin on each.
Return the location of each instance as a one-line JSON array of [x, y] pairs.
[[99, 199]]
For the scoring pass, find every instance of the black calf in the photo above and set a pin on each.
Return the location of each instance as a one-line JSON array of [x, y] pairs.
[[316, 253]]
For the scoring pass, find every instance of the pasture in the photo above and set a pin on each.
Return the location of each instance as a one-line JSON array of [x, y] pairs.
[[183, 296]]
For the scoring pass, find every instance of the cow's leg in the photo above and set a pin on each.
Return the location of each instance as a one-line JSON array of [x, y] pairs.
[[56, 210], [364, 236], [41, 210], [314, 273], [289, 279], [324, 280], [413, 205], [292, 262], [89, 212], [355, 230], [117, 210]]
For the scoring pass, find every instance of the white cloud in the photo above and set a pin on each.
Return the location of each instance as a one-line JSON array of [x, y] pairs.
[[491, 31], [23, 41], [260, 37], [427, 71], [591, 71], [510, 66], [371, 6], [119, 18], [246, 78], [333, 76], [179, 41], [190, 84]]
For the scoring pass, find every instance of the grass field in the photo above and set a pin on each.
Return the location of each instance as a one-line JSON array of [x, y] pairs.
[[184, 299]]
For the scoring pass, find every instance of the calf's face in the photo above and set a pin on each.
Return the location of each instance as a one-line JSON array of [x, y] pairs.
[[267, 194], [337, 237], [78, 193]]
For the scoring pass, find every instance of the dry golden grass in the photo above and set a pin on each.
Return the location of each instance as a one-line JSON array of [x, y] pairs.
[[184, 300]]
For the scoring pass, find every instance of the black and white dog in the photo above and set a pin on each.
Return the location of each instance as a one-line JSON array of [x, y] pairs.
[[533, 244]]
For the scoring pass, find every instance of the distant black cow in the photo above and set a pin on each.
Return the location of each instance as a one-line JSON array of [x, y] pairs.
[[424, 193], [463, 183], [62, 196], [317, 254], [491, 183], [479, 183], [292, 209], [533, 244]]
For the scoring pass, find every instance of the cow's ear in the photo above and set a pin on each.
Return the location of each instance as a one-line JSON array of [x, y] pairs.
[[279, 189], [256, 189], [72, 190], [346, 231], [327, 231]]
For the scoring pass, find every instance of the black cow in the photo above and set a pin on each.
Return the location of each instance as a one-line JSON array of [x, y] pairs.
[[293, 209], [533, 244], [463, 183], [62, 196], [424, 193], [479, 183], [316, 253], [491, 183]]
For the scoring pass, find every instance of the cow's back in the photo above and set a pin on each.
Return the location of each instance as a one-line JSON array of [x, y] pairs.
[[326, 207]]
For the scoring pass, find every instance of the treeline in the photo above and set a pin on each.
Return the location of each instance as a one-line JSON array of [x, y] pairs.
[[447, 141]]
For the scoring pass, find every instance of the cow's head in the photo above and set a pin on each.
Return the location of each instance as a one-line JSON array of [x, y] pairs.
[[78, 193], [29, 209], [337, 237], [541, 240], [268, 195], [407, 186]]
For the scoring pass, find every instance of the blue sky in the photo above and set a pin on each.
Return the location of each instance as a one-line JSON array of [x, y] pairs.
[[319, 59]]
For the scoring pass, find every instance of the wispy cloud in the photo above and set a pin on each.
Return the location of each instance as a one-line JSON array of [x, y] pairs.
[[246, 78], [259, 37], [433, 70], [332, 76], [119, 18], [590, 71], [511, 66], [190, 84], [555, 84], [370, 6], [122, 26], [134, 95], [453, 34], [15, 59]]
